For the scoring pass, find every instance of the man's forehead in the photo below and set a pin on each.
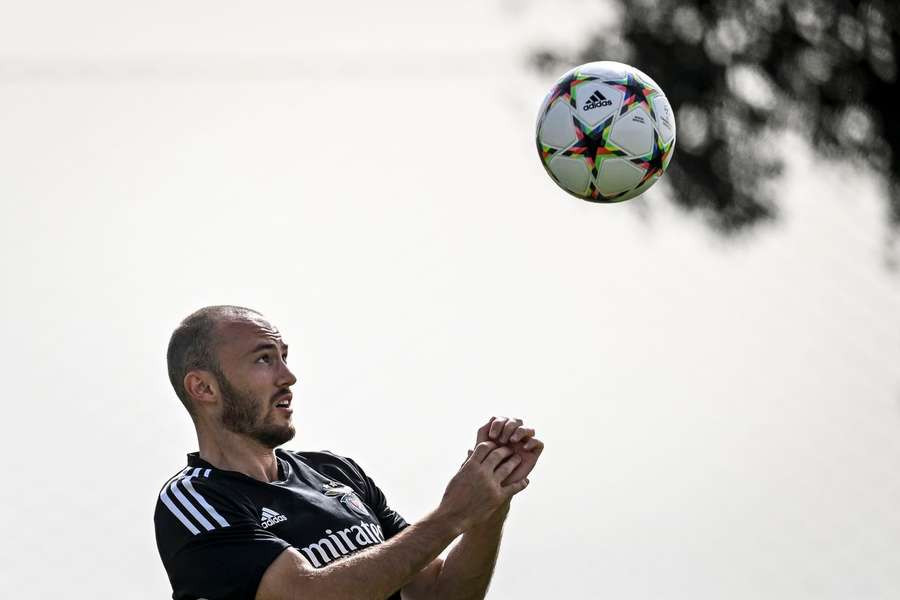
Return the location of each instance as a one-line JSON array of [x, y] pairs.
[[248, 332]]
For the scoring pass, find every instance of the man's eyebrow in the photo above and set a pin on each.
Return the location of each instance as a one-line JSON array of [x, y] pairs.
[[268, 346]]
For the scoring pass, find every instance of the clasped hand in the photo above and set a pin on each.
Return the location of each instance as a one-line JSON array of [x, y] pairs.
[[497, 469], [504, 431]]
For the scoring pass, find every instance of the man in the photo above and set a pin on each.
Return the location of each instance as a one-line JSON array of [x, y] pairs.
[[246, 519]]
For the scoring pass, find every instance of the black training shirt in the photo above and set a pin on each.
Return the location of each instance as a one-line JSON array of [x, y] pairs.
[[218, 531]]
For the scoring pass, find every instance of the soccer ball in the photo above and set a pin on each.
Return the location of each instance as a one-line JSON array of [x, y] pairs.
[[605, 132]]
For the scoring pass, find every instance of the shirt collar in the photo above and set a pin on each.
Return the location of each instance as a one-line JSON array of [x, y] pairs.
[[284, 469], [194, 460]]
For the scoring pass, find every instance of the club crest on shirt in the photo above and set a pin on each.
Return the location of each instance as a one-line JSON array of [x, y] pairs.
[[348, 497], [334, 488]]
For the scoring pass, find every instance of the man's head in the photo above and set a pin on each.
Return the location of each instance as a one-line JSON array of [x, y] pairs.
[[228, 367]]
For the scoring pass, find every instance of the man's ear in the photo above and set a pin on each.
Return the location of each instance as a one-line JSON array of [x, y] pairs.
[[202, 387]]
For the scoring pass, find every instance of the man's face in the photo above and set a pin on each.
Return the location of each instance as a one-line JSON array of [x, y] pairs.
[[255, 381]]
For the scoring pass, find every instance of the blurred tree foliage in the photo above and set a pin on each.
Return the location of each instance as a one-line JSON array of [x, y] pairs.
[[736, 70]]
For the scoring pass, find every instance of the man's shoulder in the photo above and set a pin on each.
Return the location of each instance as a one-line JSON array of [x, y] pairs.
[[192, 478], [196, 500]]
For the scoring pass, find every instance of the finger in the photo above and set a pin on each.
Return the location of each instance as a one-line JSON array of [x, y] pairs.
[[482, 434], [514, 488], [481, 452], [508, 429], [529, 462], [507, 467], [496, 427], [534, 444], [520, 434], [497, 456]]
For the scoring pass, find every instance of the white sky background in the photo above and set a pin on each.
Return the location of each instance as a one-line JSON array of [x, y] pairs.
[[722, 420]]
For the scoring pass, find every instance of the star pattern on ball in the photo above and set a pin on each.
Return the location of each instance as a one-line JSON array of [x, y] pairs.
[[594, 147], [636, 94], [592, 143], [546, 152], [566, 86], [655, 162]]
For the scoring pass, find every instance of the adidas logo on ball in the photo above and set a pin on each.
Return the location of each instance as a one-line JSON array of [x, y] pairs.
[[596, 101]]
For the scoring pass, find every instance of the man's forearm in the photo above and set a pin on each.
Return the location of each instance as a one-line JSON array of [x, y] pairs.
[[475, 501], [376, 572], [383, 569], [467, 570]]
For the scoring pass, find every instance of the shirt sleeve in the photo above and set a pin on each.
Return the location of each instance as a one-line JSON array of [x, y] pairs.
[[391, 522], [211, 545]]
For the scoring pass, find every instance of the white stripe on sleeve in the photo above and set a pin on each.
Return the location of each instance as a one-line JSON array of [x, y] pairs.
[[175, 510], [212, 512], [188, 505]]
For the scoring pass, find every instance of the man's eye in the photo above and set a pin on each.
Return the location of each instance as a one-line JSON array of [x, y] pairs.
[[263, 357]]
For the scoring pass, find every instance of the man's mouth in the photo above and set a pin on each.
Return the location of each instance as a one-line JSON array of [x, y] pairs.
[[284, 401]]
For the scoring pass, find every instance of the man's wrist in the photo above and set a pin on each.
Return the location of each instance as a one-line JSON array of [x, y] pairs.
[[449, 525], [498, 517]]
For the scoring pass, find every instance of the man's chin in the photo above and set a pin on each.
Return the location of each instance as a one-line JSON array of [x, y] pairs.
[[273, 437]]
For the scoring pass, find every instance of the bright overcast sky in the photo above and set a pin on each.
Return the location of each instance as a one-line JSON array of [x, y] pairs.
[[722, 420]]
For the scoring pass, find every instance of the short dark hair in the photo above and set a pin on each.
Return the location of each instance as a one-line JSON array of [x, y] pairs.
[[193, 345]]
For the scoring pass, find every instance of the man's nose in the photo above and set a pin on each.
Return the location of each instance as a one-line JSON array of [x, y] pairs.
[[287, 377]]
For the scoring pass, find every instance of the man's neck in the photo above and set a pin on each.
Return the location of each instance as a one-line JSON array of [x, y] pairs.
[[234, 452]]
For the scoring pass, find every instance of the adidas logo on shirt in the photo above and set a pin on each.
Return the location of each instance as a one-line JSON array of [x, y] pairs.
[[270, 517], [596, 101]]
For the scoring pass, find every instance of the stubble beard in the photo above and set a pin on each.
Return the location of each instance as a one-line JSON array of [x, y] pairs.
[[240, 415]]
